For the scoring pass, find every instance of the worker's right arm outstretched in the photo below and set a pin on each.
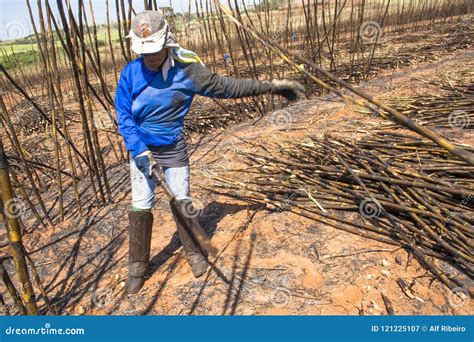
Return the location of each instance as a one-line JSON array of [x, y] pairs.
[[207, 83]]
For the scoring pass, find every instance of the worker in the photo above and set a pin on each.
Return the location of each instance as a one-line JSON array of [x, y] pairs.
[[153, 96]]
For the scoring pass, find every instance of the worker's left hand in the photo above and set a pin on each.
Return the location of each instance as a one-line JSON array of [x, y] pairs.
[[292, 90]]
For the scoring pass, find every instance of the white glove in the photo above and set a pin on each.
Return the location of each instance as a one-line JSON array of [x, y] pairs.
[[145, 162]]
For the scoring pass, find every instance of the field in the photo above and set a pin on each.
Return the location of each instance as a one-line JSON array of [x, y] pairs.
[[357, 199]]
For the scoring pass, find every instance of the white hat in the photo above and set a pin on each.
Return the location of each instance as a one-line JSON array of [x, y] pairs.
[[150, 33]]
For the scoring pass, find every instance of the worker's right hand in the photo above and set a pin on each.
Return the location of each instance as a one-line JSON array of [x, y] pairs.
[[145, 162]]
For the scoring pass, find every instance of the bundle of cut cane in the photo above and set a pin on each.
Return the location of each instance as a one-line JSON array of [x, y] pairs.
[[444, 111], [452, 108], [206, 117], [404, 190]]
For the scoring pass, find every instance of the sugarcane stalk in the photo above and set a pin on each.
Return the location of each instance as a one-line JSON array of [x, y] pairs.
[[14, 237]]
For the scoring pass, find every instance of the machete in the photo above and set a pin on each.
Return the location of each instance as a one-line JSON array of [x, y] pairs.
[[192, 226]]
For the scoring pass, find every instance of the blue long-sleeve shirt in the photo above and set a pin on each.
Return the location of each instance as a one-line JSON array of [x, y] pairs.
[[151, 110]]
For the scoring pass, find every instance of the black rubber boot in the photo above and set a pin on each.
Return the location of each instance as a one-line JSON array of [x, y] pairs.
[[139, 239], [194, 256]]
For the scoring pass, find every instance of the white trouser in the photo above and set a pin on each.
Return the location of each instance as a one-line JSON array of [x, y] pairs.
[[143, 185]]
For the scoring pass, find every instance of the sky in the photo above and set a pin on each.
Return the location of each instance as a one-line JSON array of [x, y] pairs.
[[15, 21]]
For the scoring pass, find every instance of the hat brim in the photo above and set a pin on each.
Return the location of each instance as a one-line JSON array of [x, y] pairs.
[[146, 46]]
